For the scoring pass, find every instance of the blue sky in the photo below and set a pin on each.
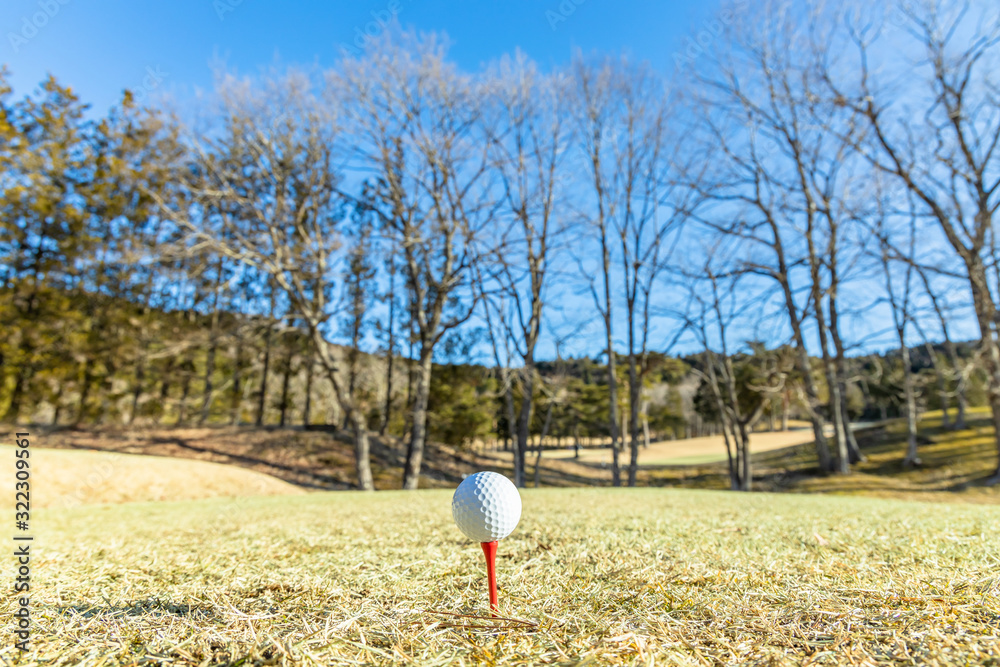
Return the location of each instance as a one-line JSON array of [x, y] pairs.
[[169, 48], [99, 48]]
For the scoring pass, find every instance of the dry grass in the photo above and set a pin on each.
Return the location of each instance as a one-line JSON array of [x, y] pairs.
[[66, 478], [955, 463], [690, 450], [955, 466], [605, 576], [316, 459]]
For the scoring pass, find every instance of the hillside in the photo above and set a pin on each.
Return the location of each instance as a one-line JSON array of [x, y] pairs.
[[955, 463], [151, 366], [315, 459], [67, 478]]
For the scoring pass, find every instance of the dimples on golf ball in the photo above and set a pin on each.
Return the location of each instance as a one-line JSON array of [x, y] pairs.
[[486, 506]]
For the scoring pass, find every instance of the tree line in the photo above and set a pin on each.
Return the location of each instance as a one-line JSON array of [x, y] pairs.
[[824, 176]]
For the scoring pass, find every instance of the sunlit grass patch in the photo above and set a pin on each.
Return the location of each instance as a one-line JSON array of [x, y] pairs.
[[614, 576], [954, 465]]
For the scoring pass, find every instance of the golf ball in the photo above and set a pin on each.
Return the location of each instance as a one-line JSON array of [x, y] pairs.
[[486, 506]]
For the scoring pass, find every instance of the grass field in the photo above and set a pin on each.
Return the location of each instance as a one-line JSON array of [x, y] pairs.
[[955, 466], [66, 478], [956, 463], [599, 576], [708, 449]]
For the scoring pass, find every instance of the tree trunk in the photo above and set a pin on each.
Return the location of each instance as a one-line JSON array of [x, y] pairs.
[[107, 385], [286, 379], [140, 376], [541, 438], [732, 453], [362, 453], [58, 404], [237, 395], [985, 315], [634, 389], [88, 380], [840, 436], [853, 449], [140, 367], [262, 394], [829, 367], [206, 402], [307, 408], [415, 452], [785, 405], [949, 348], [822, 449], [942, 385], [824, 460], [187, 369], [165, 389], [387, 411], [511, 425], [960, 398], [408, 421], [732, 459], [746, 472], [843, 459], [27, 350], [14, 408], [612, 371], [912, 459], [524, 415]]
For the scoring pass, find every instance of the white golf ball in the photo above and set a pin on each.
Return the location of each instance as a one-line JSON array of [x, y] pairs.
[[486, 506]]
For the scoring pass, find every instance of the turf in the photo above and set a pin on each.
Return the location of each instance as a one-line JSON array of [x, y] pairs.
[[956, 466], [67, 478], [595, 576]]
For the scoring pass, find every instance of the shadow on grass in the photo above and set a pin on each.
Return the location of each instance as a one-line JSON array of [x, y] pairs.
[[321, 458], [952, 462], [298, 475], [139, 608]]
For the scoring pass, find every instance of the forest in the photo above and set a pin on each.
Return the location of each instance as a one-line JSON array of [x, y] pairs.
[[603, 253]]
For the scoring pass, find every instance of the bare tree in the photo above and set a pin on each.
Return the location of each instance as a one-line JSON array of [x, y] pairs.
[[779, 183], [596, 102], [358, 280], [271, 172], [527, 146], [959, 371], [738, 395], [496, 312], [390, 343], [622, 126], [900, 303], [940, 373], [417, 125], [268, 336], [213, 341], [651, 208], [940, 141], [287, 370]]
